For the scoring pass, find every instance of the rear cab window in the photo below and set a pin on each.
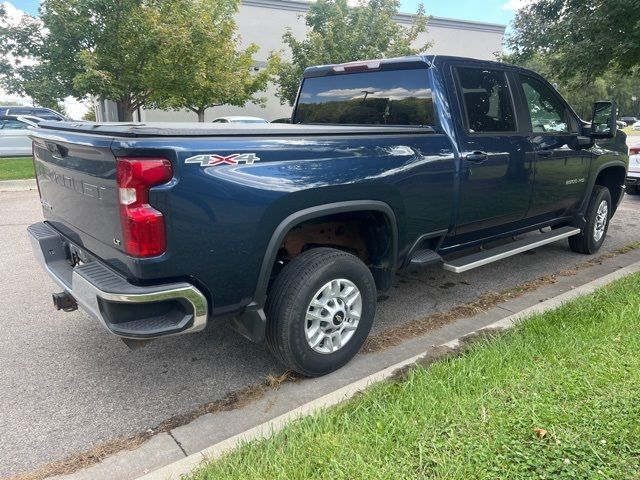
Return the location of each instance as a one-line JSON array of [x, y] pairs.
[[389, 97], [487, 100]]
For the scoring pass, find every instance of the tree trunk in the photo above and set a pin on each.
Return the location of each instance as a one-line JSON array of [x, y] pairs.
[[127, 115], [200, 113], [125, 110]]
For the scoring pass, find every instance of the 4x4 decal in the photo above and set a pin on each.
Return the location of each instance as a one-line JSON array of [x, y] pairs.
[[211, 160]]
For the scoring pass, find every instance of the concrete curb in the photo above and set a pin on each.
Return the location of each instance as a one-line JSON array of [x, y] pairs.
[[18, 185], [264, 430]]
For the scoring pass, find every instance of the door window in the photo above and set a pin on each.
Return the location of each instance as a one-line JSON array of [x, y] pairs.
[[487, 100], [12, 125], [548, 113]]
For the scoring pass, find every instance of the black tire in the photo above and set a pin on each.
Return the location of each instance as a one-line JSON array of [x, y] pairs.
[[585, 242], [291, 296], [633, 190]]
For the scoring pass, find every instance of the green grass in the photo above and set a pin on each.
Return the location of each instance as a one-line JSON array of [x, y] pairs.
[[574, 372], [16, 168]]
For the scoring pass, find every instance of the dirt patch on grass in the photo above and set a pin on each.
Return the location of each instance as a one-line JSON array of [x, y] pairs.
[[434, 354], [442, 352]]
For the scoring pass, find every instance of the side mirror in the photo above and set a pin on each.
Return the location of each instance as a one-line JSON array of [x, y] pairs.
[[603, 120]]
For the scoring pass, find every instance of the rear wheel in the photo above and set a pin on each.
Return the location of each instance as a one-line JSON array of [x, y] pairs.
[[597, 222], [320, 310]]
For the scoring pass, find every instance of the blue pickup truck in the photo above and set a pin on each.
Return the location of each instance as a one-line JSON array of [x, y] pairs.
[[291, 230]]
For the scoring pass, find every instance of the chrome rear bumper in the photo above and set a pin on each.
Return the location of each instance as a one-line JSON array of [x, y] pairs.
[[126, 310]]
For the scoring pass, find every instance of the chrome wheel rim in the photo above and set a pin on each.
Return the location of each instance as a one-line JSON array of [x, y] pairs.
[[602, 217], [333, 315]]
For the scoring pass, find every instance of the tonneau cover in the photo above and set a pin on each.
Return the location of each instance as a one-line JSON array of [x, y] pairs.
[[152, 129]]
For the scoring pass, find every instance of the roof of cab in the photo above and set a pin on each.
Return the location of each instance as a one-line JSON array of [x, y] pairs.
[[399, 63]]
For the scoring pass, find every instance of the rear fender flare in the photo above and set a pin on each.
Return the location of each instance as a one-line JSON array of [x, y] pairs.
[[314, 212]]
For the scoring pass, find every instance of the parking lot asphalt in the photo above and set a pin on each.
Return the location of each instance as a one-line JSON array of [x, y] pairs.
[[66, 384]]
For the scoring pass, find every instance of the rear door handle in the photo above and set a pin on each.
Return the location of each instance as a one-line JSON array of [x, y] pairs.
[[477, 157]]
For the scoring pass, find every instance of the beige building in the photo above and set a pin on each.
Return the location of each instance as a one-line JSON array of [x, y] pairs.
[[263, 22]]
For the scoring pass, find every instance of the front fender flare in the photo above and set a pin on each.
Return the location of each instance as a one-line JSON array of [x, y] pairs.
[[594, 177]]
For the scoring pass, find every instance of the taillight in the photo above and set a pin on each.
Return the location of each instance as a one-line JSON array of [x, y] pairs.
[[142, 225], [634, 150]]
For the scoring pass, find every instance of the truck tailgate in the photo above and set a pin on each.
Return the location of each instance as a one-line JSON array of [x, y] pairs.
[[77, 184]]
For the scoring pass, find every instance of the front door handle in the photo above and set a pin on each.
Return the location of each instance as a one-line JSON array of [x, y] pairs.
[[477, 157]]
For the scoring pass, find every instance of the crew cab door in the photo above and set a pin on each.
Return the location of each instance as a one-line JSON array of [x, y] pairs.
[[561, 164], [496, 158]]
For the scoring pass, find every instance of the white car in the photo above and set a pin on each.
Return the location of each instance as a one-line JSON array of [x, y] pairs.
[[633, 175], [636, 126], [239, 119], [14, 135]]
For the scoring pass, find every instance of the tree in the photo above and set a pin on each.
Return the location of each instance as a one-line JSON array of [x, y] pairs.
[[580, 92], [339, 33], [171, 53], [202, 65], [80, 48], [578, 38], [118, 65], [19, 73], [90, 115]]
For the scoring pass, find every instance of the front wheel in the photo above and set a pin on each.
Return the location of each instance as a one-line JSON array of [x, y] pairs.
[[320, 310], [597, 219]]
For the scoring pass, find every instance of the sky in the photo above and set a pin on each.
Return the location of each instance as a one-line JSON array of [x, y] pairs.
[[491, 11]]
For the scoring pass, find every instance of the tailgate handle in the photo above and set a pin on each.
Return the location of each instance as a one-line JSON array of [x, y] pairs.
[[57, 151]]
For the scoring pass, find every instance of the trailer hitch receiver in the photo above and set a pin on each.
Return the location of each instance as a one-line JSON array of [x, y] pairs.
[[64, 301]]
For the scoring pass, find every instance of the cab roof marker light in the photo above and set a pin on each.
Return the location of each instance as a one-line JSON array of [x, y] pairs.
[[357, 66]]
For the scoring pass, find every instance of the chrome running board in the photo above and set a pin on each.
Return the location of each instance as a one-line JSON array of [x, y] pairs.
[[485, 257]]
